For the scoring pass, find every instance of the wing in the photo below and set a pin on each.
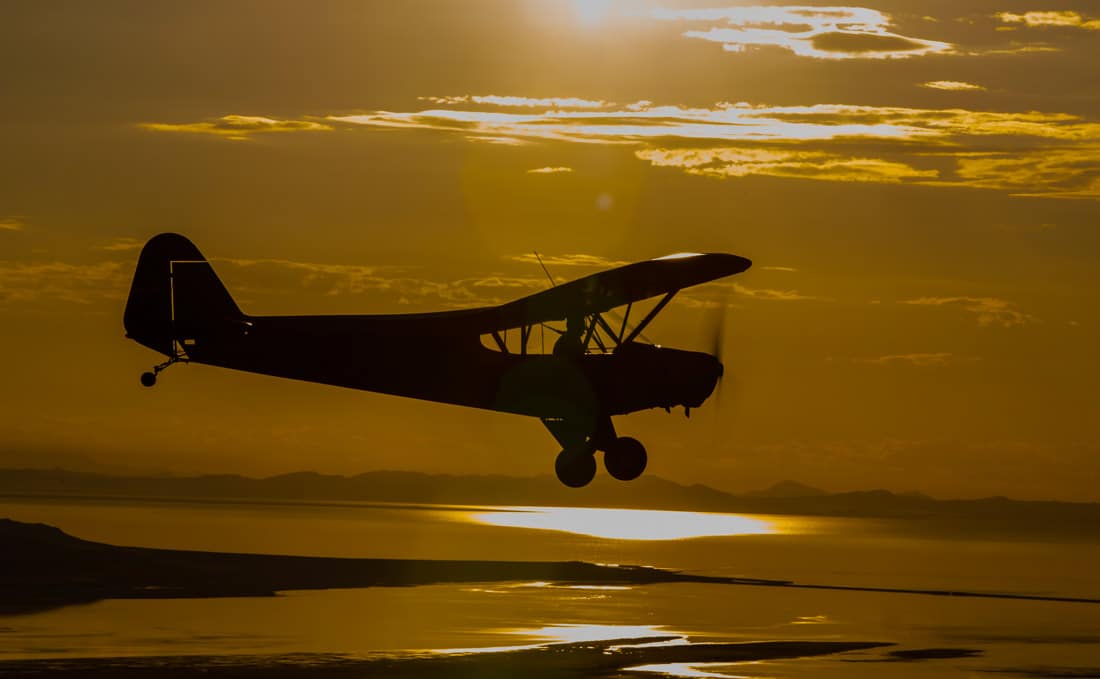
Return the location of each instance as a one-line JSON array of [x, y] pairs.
[[606, 290], [597, 293]]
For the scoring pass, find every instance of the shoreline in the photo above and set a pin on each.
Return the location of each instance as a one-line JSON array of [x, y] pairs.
[[606, 658], [46, 568]]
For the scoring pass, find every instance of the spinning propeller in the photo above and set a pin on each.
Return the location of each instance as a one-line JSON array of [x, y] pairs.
[[716, 320]]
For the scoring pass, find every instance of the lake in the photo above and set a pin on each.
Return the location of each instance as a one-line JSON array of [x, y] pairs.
[[1015, 637]]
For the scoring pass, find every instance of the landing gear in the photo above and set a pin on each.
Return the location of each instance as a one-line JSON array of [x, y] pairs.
[[576, 466], [149, 379], [625, 458]]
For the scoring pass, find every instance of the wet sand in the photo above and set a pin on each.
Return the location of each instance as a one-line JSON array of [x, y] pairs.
[[49, 568], [44, 568], [587, 659]]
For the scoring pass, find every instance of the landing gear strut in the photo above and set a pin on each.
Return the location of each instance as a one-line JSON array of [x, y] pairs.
[[149, 378], [623, 457]]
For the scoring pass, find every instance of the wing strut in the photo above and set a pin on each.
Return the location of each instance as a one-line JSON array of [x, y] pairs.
[[596, 322], [649, 317], [607, 328], [626, 317]]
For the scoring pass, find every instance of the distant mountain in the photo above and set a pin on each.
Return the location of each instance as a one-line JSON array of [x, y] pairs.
[[648, 492], [787, 489], [376, 486], [59, 459]]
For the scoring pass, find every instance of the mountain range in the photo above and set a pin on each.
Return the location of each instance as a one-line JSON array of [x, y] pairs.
[[649, 492]]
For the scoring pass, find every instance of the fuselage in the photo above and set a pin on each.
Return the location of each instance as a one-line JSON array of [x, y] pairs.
[[427, 357]]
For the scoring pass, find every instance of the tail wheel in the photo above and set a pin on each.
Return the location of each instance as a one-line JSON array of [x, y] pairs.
[[625, 459], [148, 379], [575, 467]]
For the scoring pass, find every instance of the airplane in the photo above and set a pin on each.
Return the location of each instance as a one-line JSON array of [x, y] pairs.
[[179, 307]]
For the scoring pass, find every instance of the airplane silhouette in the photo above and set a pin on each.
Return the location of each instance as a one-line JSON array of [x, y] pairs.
[[178, 307]]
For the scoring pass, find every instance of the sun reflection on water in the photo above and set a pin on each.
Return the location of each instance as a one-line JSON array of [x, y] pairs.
[[626, 524], [686, 670], [574, 633], [552, 585], [579, 633]]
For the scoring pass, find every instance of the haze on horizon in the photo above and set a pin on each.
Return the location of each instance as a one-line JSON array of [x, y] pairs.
[[917, 184]]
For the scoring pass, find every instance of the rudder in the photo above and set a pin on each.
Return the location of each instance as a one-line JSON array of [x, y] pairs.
[[175, 295]]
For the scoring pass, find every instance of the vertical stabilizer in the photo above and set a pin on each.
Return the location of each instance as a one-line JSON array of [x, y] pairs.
[[175, 295]]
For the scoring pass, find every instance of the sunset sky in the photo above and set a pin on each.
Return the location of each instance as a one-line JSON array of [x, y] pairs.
[[917, 183]]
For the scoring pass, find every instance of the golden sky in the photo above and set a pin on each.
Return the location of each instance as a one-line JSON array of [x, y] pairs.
[[918, 184]]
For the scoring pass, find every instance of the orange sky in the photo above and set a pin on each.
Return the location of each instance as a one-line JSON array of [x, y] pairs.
[[916, 182]]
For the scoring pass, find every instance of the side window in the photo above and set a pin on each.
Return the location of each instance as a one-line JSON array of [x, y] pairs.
[[540, 341]]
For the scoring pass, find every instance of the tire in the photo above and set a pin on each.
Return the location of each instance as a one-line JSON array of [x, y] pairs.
[[625, 459], [575, 468]]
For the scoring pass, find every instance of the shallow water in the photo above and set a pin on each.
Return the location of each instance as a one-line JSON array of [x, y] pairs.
[[983, 634]]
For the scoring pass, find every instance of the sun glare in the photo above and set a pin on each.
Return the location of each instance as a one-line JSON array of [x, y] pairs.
[[591, 12], [626, 524]]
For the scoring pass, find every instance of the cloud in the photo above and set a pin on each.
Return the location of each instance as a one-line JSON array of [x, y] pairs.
[[712, 295], [1045, 19], [121, 245], [550, 170], [519, 102], [790, 269], [989, 310], [62, 282], [741, 162], [594, 261], [633, 124], [394, 284], [1016, 47], [934, 126], [238, 127], [1049, 173], [917, 360], [109, 281], [771, 295], [1066, 173], [952, 85], [12, 223], [738, 122], [817, 32], [499, 141], [1032, 153], [1087, 191]]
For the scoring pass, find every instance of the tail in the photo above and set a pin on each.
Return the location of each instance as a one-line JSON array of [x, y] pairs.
[[176, 297]]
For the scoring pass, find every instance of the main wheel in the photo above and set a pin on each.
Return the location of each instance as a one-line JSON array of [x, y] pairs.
[[148, 379], [625, 458], [575, 467]]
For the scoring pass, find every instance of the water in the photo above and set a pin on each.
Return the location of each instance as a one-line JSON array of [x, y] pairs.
[[984, 634]]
